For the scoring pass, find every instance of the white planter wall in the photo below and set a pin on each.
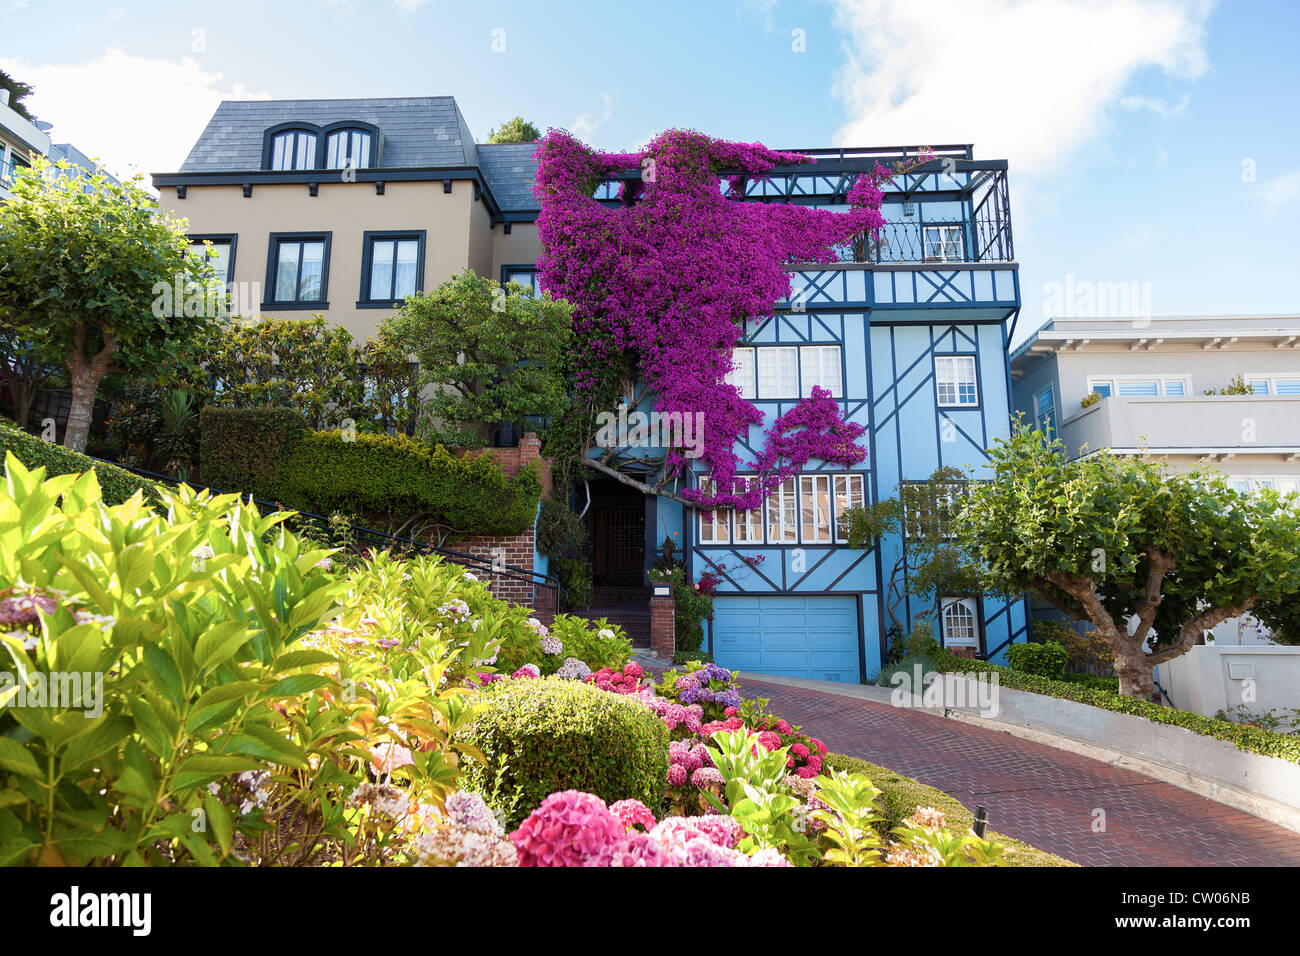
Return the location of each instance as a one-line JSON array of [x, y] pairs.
[[1214, 677]]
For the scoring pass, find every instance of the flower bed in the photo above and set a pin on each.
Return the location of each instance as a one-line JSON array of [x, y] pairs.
[[322, 717]]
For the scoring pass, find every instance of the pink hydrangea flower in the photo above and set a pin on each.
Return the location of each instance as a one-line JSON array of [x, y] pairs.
[[799, 750], [677, 775], [567, 829], [706, 777], [633, 813]]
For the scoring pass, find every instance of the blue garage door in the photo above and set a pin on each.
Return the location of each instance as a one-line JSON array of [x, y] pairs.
[[814, 637]]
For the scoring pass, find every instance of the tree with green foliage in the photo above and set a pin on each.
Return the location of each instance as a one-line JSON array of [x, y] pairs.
[[83, 261], [1152, 558], [517, 130], [490, 355], [18, 91], [930, 565]]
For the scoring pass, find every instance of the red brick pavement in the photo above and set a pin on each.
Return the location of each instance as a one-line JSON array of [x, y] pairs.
[[1036, 793]]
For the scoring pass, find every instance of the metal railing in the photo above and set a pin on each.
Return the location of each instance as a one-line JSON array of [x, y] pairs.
[[542, 584]]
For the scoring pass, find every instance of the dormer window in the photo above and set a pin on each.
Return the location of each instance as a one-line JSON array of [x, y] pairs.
[[293, 149], [348, 148]]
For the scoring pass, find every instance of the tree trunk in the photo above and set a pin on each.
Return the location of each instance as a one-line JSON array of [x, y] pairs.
[[85, 375], [1134, 670]]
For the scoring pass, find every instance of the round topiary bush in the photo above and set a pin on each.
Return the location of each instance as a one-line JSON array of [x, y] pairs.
[[549, 734]]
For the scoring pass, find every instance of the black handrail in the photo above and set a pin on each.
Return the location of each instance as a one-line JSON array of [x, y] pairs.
[[374, 535]]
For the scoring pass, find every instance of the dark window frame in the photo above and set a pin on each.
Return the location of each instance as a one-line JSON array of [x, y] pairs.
[[367, 261], [270, 304], [322, 134], [214, 237]]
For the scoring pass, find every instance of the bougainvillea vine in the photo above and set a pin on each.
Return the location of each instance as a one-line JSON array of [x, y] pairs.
[[671, 275]]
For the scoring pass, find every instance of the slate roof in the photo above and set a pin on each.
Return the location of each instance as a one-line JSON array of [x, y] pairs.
[[417, 130], [509, 170]]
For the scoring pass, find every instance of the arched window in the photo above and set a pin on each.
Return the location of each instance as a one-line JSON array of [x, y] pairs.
[[959, 623], [346, 148], [293, 149]]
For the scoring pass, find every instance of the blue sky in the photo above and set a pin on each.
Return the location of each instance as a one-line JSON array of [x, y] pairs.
[[1150, 141]]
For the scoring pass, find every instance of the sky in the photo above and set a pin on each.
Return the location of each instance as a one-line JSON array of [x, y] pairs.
[[1152, 143]]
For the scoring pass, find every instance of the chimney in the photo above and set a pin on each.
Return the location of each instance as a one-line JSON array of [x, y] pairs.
[[4, 97]]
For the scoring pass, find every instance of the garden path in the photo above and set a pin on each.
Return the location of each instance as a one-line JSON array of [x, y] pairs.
[[1036, 793]]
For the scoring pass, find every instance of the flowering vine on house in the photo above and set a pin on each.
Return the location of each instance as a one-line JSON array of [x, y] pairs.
[[663, 285]]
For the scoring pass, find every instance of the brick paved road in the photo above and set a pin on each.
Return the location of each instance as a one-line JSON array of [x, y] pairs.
[[1036, 793]]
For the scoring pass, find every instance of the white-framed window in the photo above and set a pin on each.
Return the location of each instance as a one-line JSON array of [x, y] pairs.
[[748, 524], [1045, 409], [1274, 384], [815, 508], [347, 148], [849, 493], [1140, 386], [959, 622], [714, 526], [819, 365], [783, 514], [293, 149], [955, 381], [742, 372], [778, 371], [943, 244], [1253, 484]]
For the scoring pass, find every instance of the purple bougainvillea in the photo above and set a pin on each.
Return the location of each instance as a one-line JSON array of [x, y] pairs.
[[671, 276]]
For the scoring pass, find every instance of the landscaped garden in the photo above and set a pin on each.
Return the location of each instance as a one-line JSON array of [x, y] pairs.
[[189, 682]]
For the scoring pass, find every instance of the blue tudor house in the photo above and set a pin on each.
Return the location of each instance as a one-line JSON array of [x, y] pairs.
[[910, 333]]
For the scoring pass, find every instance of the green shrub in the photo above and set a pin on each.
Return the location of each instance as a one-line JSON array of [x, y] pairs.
[[540, 736], [116, 484], [244, 449], [1252, 739], [560, 532], [596, 643], [1043, 660], [900, 796], [907, 666], [403, 478], [190, 617], [574, 575], [270, 453]]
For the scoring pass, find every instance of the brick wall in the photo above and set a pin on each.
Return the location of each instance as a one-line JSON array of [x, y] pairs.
[[662, 626], [514, 550]]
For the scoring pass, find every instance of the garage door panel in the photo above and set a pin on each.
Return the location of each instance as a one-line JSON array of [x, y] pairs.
[[814, 637]]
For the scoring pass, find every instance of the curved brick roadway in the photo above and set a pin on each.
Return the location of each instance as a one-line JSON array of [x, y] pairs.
[[1036, 793]]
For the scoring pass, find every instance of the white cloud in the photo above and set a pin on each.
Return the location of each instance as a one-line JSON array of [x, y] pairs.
[[133, 113], [1024, 81], [585, 124], [1277, 191], [1155, 105], [409, 6]]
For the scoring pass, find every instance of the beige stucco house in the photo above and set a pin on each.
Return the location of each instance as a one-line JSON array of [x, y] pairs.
[[343, 207]]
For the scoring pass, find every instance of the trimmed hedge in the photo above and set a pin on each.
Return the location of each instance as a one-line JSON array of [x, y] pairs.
[[116, 484], [547, 734], [1045, 660], [404, 478], [900, 796], [272, 454], [244, 449], [1251, 739]]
